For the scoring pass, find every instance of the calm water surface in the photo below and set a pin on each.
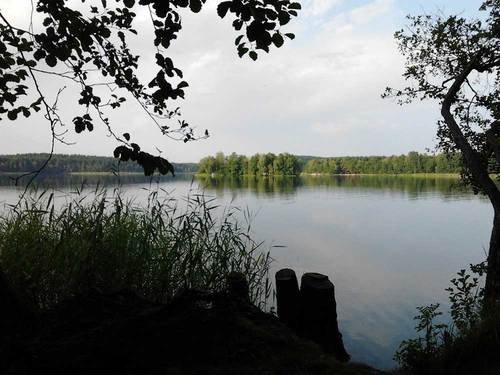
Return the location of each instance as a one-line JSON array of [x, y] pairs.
[[389, 244]]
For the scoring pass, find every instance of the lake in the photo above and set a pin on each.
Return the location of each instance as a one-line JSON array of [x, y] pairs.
[[388, 243]]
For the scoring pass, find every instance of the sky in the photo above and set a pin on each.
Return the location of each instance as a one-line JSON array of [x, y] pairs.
[[317, 95]]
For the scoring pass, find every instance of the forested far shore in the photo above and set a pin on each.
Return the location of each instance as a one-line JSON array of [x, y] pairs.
[[61, 163], [291, 165], [266, 164]]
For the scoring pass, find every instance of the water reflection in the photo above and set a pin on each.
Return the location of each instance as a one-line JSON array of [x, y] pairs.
[[56, 181], [411, 186]]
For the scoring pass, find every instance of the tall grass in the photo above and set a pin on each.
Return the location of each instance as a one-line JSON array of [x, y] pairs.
[[106, 242]]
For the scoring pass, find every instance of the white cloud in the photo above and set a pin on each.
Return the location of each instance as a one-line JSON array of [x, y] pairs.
[[368, 12], [330, 128], [204, 59], [347, 21], [319, 7]]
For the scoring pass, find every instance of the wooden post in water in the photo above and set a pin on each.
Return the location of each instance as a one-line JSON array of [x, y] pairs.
[[288, 298], [319, 314]]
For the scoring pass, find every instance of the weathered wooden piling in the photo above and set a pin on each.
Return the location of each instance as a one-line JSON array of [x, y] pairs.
[[288, 298], [319, 314], [237, 286]]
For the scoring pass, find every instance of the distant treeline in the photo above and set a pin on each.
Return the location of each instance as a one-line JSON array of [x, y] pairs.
[[75, 163], [286, 164], [268, 164], [413, 162], [258, 165]]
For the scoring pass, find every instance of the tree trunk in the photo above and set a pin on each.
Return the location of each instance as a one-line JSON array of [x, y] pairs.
[[492, 286], [479, 172]]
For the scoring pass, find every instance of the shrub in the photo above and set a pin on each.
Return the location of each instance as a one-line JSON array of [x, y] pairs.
[[468, 344]]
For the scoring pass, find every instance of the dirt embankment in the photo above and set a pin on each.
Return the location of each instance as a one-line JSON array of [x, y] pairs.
[[197, 333]]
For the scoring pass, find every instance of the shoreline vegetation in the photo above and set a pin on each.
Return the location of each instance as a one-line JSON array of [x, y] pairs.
[[421, 174], [234, 165], [74, 163], [285, 164], [214, 175], [113, 243]]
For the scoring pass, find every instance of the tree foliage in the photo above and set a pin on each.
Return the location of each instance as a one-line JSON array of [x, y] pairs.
[[257, 165], [440, 347], [61, 163], [290, 165], [411, 163], [90, 48], [440, 50]]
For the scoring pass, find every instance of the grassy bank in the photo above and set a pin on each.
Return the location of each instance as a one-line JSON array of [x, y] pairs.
[[93, 173], [423, 175], [121, 173], [219, 175], [105, 173], [52, 253]]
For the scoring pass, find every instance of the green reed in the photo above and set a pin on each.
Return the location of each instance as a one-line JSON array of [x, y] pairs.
[[51, 252]]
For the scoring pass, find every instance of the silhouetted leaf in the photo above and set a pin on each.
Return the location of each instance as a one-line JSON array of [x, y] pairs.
[[278, 40], [238, 39], [39, 54], [126, 136], [129, 3], [164, 166], [195, 5], [122, 152], [237, 24], [222, 8], [12, 115], [284, 18], [242, 51], [50, 60]]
